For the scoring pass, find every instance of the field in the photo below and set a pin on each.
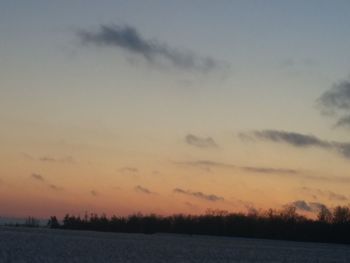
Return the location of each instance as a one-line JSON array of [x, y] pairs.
[[56, 246]]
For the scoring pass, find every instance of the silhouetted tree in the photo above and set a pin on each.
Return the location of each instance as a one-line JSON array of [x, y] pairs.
[[330, 225], [324, 215], [53, 222]]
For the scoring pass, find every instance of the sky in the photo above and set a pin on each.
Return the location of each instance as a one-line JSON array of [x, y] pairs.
[[166, 107]]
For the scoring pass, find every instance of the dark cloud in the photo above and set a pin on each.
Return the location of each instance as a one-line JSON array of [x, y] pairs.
[[301, 205], [298, 140], [37, 177], [342, 148], [127, 38], [200, 142], [343, 122], [142, 189], [337, 98], [314, 207], [293, 138], [336, 102], [93, 193], [200, 195]]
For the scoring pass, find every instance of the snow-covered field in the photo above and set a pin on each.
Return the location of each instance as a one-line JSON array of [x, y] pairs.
[[45, 245]]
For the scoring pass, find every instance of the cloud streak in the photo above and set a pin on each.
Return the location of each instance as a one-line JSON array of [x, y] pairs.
[[298, 140], [199, 195], [200, 142], [129, 170], [143, 190], [128, 39], [264, 171], [38, 177], [49, 159], [207, 164], [292, 138]]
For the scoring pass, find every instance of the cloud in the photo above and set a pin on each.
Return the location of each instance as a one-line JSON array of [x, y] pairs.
[[298, 140], [308, 206], [200, 142], [269, 170], [40, 178], [142, 189], [335, 102], [325, 194], [27, 156], [337, 197], [55, 187], [93, 193], [293, 138], [337, 98], [263, 171], [129, 170], [207, 164], [68, 159], [199, 195], [47, 159], [37, 177], [128, 39], [343, 122]]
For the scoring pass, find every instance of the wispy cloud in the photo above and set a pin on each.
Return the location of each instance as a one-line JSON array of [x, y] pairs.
[[292, 138], [298, 140], [38, 177], [264, 171], [143, 190], [200, 142], [128, 39], [129, 170], [308, 206], [207, 164], [199, 195], [268, 170], [330, 195], [55, 187], [49, 159]]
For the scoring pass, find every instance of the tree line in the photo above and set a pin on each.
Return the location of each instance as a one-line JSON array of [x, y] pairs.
[[332, 226]]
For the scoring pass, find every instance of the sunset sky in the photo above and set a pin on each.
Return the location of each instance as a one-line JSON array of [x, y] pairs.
[[173, 106]]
